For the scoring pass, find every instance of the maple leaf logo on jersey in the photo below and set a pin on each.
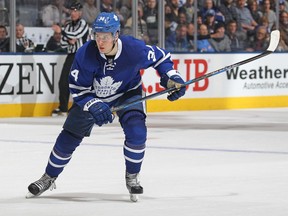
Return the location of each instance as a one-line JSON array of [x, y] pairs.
[[106, 87]]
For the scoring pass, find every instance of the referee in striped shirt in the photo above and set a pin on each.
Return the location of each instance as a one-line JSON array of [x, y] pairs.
[[74, 35]]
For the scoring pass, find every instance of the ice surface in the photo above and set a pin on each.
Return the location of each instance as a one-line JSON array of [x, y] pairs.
[[202, 163]]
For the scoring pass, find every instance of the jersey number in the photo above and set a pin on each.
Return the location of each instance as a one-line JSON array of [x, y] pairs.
[[74, 74], [151, 55]]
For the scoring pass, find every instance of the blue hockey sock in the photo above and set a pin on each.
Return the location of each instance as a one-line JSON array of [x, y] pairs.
[[134, 127], [61, 153], [134, 155]]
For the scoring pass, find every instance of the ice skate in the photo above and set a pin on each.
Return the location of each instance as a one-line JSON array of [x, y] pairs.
[[133, 186], [38, 187]]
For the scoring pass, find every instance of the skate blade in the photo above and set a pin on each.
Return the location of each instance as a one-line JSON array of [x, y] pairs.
[[29, 195], [134, 197]]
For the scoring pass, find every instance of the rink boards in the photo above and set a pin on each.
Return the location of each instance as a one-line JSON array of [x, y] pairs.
[[29, 83]]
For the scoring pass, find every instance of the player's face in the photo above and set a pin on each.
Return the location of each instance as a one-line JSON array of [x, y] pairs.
[[104, 41]]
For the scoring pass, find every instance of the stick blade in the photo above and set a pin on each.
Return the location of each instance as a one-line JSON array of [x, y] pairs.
[[274, 40]]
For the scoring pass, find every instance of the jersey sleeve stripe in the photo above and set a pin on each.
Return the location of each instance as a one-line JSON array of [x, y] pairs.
[[163, 59], [78, 87], [74, 95]]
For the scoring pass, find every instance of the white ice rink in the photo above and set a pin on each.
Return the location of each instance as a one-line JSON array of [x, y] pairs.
[[201, 163]]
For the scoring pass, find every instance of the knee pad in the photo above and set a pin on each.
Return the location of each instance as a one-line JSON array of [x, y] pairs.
[[134, 127]]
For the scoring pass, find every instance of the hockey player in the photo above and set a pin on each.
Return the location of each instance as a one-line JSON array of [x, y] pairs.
[[105, 73]]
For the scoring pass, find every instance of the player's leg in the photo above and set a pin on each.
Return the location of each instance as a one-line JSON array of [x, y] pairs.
[[77, 125], [134, 127], [133, 123]]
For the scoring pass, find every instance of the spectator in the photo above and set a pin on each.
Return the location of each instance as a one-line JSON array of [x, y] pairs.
[[203, 43], [272, 4], [4, 41], [253, 6], [229, 11], [171, 21], [190, 35], [248, 24], [74, 35], [283, 6], [142, 27], [188, 9], [178, 42], [23, 44], [264, 22], [283, 26], [238, 38], [54, 13], [202, 37], [222, 43], [54, 42], [89, 11], [282, 46], [261, 40], [150, 16], [208, 7], [199, 19], [210, 21], [270, 14], [174, 7], [124, 10], [191, 32], [182, 18], [106, 6]]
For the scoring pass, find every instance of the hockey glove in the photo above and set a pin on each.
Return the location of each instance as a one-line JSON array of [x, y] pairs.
[[100, 111], [173, 81]]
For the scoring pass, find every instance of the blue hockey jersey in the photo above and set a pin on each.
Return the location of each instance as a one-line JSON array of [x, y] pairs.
[[95, 76]]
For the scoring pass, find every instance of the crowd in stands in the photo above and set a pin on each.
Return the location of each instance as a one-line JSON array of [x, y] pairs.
[[224, 26], [221, 25]]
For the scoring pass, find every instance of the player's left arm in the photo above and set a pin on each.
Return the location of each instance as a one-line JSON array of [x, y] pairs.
[[161, 61]]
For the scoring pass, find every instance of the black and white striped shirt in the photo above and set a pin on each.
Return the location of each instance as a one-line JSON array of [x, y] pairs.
[[74, 30]]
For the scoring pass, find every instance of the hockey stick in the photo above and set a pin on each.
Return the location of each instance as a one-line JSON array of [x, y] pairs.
[[273, 43]]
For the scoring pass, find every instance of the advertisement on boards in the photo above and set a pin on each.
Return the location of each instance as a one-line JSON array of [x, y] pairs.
[[29, 83]]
